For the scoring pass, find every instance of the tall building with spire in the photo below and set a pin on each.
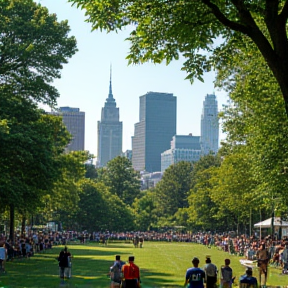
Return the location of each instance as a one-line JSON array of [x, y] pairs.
[[109, 130], [210, 125]]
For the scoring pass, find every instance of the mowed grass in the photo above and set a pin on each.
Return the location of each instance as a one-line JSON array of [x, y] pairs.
[[161, 265]]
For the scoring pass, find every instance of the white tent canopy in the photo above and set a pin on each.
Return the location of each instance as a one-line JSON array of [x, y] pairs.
[[267, 223]]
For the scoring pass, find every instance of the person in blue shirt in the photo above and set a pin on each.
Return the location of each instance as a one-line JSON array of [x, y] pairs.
[[248, 280], [195, 276]]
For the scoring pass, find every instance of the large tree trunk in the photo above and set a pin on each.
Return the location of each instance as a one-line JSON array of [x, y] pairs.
[[12, 222]]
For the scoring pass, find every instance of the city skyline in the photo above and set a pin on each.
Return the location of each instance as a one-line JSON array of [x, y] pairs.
[[85, 79]]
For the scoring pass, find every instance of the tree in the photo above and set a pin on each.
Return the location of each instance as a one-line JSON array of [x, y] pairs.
[[33, 48], [121, 178], [172, 190], [257, 120], [29, 155], [202, 208], [91, 171], [144, 209], [62, 201], [233, 190], [100, 210], [163, 29]]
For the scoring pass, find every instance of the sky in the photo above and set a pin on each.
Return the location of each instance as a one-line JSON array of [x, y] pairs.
[[85, 79]]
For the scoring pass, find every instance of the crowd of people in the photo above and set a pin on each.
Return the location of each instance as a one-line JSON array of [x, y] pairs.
[[246, 246], [196, 277]]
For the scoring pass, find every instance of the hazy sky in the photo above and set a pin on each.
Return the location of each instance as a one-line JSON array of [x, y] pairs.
[[85, 80]]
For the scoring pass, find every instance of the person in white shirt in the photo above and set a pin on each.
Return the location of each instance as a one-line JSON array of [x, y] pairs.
[[3, 257]]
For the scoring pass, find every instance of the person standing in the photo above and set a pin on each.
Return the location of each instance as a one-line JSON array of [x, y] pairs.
[[3, 257], [194, 275], [63, 264], [131, 274], [248, 280], [262, 256], [210, 273], [68, 270], [116, 272], [285, 259], [226, 275]]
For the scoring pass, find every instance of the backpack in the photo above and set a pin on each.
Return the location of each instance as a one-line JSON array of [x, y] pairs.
[[116, 274]]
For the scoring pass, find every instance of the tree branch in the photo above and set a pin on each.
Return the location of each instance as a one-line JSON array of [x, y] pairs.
[[283, 16], [224, 20]]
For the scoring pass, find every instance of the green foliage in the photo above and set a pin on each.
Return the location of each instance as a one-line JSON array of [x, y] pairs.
[[100, 210], [33, 49], [62, 201], [172, 190], [257, 119], [91, 171], [201, 206], [200, 30], [121, 179], [28, 152], [145, 212]]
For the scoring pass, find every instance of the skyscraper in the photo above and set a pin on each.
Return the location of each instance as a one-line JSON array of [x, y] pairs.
[[109, 131], [74, 120], [154, 131], [210, 125]]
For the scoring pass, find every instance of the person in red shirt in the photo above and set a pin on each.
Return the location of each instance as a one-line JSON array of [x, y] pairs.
[[131, 274]]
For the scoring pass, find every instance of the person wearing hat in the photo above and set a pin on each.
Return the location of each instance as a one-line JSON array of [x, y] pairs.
[[248, 280], [210, 273], [131, 274], [194, 275]]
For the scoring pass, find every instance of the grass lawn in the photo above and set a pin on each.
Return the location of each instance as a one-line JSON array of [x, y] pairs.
[[161, 265]]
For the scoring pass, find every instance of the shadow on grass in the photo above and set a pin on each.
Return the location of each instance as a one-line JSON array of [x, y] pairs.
[[41, 270]]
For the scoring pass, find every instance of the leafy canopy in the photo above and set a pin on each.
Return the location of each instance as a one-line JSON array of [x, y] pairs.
[[33, 48]]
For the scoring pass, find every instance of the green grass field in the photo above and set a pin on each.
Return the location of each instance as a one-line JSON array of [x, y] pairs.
[[161, 265]]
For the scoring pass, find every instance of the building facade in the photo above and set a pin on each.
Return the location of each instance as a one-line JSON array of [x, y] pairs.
[[153, 132], [210, 125], [109, 131], [74, 120], [183, 148]]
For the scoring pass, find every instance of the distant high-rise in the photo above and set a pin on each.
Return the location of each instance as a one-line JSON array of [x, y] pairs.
[[183, 148], [210, 125], [74, 120], [109, 131], [154, 131]]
